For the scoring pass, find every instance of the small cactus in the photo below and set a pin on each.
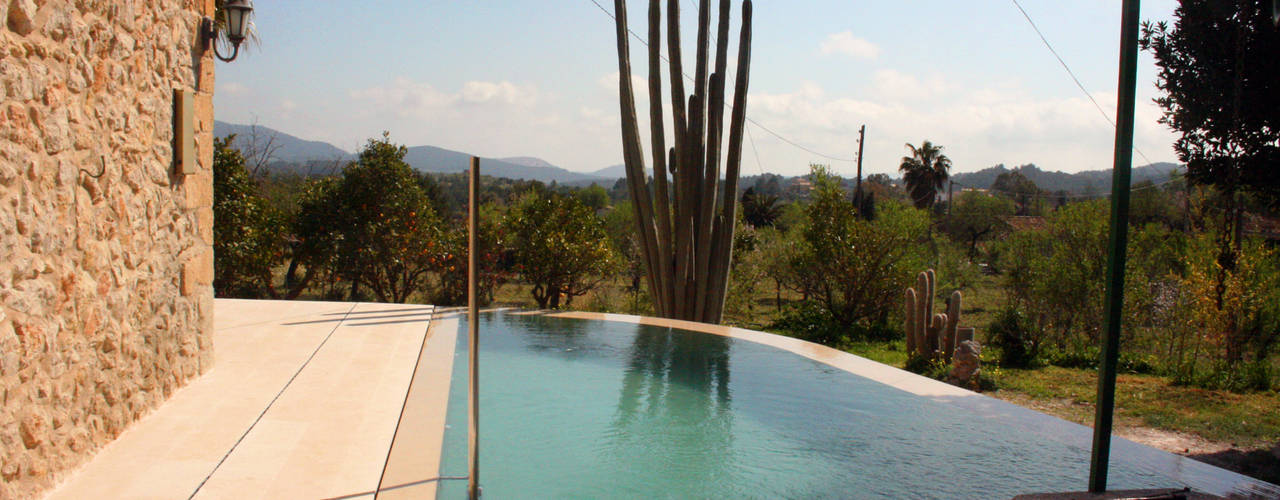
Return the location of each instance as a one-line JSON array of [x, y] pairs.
[[929, 335]]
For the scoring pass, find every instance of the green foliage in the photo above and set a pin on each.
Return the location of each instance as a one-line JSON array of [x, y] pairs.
[[1217, 70], [1246, 377], [1055, 274], [246, 242], [760, 209], [593, 196], [1237, 318], [386, 228], [1027, 197], [977, 217], [558, 245], [449, 262], [1012, 334], [925, 171], [314, 251], [854, 269]]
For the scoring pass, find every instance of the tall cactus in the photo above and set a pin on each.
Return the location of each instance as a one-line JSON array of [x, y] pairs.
[[929, 335], [685, 241]]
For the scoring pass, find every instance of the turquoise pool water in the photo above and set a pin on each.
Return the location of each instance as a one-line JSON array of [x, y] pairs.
[[599, 409]]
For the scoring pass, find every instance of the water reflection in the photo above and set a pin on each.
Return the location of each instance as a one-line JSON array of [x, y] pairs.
[[675, 403]]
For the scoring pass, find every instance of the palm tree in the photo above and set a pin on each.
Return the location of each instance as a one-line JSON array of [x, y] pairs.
[[924, 172], [759, 209]]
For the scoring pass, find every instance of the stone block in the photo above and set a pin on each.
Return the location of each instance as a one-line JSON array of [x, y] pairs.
[[197, 273], [22, 16]]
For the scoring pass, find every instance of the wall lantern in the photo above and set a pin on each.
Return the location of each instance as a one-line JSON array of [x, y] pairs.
[[236, 16]]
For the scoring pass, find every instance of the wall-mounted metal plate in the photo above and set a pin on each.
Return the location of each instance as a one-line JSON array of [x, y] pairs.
[[184, 121]]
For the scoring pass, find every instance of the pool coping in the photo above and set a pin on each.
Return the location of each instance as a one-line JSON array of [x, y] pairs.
[[1192, 473]]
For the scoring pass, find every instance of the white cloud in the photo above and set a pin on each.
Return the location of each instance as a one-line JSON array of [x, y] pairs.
[[979, 128], [894, 84], [232, 89], [498, 92], [845, 43]]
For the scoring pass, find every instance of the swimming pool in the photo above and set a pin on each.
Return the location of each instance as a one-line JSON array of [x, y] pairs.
[[603, 409]]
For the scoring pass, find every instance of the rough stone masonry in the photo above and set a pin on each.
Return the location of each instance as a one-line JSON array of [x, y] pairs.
[[106, 257]]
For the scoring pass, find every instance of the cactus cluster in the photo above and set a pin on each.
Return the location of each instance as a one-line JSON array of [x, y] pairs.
[[933, 336]]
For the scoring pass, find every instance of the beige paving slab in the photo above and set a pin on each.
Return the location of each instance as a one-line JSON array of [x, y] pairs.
[[328, 434], [413, 465], [167, 453], [259, 346]]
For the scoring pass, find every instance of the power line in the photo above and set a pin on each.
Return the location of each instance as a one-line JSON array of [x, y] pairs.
[[755, 151], [1079, 85], [728, 105]]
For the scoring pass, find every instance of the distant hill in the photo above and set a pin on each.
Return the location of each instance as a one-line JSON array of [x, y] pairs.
[[299, 155], [1092, 180], [434, 159], [617, 172], [288, 148]]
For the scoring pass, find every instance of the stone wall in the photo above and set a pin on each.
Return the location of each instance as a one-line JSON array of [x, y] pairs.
[[106, 260]]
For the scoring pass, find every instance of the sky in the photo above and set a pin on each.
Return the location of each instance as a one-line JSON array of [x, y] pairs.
[[540, 78]]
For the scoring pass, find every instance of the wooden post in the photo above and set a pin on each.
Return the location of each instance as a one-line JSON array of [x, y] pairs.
[[862, 136], [473, 333]]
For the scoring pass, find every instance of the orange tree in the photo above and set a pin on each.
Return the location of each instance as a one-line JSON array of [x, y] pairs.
[[559, 246], [246, 237], [387, 231]]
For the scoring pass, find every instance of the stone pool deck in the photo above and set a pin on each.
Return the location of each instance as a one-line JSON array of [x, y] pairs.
[[303, 402], [342, 400]]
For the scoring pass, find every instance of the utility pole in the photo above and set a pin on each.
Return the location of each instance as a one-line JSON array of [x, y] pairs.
[[862, 136], [951, 200]]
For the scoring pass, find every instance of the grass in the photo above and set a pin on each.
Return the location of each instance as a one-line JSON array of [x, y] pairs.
[[1248, 420]]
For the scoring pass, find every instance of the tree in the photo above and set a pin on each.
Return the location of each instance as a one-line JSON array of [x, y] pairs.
[[924, 172], [686, 232], [977, 217], [1218, 65], [856, 269], [387, 228], [559, 245], [314, 246], [246, 239], [593, 196], [449, 259], [759, 209], [1023, 191], [1217, 71]]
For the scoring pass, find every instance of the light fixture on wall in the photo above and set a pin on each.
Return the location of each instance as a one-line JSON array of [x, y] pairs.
[[236, 14]]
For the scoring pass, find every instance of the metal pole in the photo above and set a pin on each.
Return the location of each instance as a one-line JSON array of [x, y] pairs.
[[1119, 238], [473, 334]]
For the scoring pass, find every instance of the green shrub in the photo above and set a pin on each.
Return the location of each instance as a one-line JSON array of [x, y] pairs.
[[809, 321], [1011, 333], [1238, 377]]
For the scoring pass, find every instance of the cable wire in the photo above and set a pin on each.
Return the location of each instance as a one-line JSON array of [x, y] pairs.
[[1072, 74], [797, 145]]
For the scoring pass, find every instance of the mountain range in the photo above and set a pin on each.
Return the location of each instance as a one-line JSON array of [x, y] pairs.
[[1096, 181], [294, 154]]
